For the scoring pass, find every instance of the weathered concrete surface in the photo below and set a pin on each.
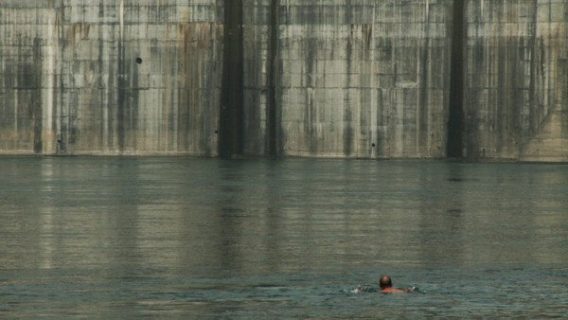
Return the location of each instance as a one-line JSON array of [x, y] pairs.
[[261, 28], [326, 78], [365, 79], [110, 77], [516, 99]]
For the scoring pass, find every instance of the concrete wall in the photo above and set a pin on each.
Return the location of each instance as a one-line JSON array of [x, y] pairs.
[[326, 78], [516, 87], [109, 77], [365, 78]]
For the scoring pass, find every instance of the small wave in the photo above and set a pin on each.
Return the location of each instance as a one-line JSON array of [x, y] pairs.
[[363, 289]]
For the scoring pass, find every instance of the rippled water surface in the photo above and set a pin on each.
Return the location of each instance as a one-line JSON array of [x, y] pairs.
[[254, 239]]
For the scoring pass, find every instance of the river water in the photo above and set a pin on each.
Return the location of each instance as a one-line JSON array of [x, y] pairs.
[[127, 238]]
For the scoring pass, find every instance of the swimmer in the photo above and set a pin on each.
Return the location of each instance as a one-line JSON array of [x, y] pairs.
[[385, 283]]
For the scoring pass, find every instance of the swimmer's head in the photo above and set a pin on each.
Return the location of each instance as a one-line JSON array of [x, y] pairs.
[[385, 282]]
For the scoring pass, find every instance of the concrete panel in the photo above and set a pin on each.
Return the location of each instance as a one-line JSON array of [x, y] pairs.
[[110, 77], [365, 73], [515, 79]]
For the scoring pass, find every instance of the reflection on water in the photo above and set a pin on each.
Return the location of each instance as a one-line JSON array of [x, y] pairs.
[[124, 238]]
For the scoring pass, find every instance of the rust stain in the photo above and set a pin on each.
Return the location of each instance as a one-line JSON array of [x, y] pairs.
[[77, 32], [197, 35], [367, 32]]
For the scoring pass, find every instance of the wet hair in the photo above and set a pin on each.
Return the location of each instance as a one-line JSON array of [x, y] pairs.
[[385, 282]]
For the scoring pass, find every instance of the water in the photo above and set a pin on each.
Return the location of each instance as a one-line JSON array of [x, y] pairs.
[[129, 238]]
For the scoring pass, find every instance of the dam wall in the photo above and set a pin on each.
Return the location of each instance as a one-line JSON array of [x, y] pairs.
[[365, 79], [516, 80], [110, 77], [332, 78]]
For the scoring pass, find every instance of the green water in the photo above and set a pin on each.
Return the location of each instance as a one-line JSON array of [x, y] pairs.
[[116, 238]]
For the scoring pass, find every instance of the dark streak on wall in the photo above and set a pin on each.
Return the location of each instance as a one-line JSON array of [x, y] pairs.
[[231, 113], [454, 147], [274, 135], [423, 108], [347, 112], [533, 71], [37, 114], [122, 82]]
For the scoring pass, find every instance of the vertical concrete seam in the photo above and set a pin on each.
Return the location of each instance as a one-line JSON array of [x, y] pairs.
[[374, 104], [455, 128], [121, 94], [273, 113], [231, 124], [423, 147], [37, 108]]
